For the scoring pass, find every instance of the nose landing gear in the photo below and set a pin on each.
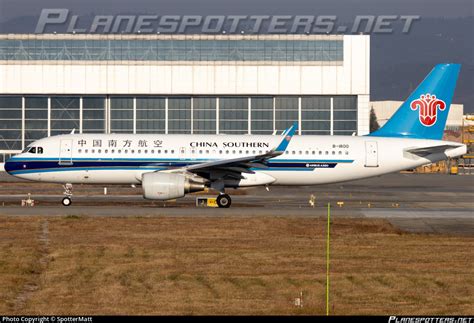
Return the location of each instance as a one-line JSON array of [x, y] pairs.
[[68, 192]]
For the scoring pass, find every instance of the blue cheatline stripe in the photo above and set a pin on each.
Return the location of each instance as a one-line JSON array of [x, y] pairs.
[[50, 170], [14, 159], [42, 165]]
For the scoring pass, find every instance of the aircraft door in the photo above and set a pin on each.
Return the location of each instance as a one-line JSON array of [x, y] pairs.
[[371, 154], [65, 152]]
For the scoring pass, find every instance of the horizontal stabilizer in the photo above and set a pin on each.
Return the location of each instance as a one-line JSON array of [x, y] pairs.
[[425, 151]]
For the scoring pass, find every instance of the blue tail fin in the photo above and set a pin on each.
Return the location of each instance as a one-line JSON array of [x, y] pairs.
[[423, 115]]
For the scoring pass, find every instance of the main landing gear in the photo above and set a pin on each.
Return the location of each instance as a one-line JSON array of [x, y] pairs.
[[224, 201], [68, 192]]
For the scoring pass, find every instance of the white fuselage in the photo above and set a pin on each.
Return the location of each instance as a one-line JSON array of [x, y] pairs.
[[308, 160]]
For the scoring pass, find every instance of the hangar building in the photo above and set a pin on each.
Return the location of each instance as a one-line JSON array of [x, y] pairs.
[[194, 84]]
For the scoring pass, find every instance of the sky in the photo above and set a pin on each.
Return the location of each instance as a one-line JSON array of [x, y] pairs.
[[343, 8]]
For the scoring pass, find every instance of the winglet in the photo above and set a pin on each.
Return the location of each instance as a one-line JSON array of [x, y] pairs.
[[287, 135]]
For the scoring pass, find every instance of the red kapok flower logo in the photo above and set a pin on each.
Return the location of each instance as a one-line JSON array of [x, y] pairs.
[[427, 106]]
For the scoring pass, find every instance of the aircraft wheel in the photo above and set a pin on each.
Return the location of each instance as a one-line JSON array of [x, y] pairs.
[[224, 201], [66, 201]]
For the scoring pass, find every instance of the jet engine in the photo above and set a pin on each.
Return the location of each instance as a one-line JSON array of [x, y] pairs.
[[166, 186]]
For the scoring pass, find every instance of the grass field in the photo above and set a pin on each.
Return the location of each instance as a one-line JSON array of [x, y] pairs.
[[231, 265]]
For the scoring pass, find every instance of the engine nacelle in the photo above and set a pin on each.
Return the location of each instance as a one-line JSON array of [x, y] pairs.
[[167, 186]]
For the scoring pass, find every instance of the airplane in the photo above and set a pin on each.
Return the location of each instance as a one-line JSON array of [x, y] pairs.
[[171, 166]]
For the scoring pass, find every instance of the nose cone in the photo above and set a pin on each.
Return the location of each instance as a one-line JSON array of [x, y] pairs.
[[8, 166], [11, 165]]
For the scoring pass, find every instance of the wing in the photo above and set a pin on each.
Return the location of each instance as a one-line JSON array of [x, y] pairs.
[[425, 151], [234, 167]]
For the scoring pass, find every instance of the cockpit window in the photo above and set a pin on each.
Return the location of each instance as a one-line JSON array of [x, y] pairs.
[[34, 150]]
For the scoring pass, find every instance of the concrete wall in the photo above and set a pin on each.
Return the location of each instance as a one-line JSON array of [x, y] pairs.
[[385, 109]]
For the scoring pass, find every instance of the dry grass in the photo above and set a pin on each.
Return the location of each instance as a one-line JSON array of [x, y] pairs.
[[238, 265]]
